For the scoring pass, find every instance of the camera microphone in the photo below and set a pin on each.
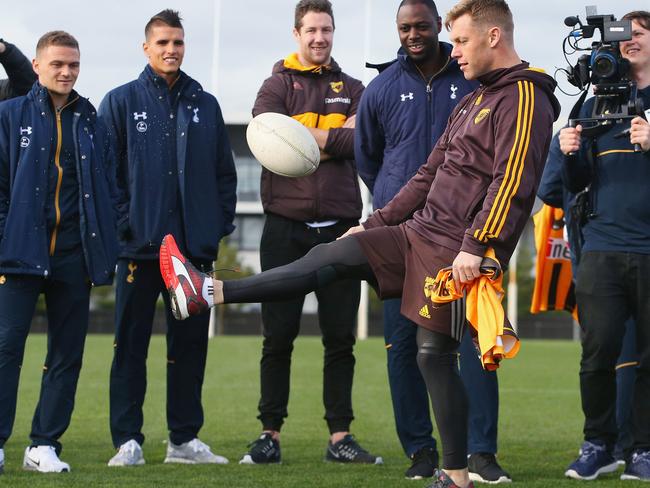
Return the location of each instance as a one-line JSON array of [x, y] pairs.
[[572, 21]]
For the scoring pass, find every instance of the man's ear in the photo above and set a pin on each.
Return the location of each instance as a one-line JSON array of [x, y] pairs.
[[494, 36]]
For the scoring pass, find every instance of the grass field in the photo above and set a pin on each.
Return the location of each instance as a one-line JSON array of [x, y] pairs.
[[539, 435]]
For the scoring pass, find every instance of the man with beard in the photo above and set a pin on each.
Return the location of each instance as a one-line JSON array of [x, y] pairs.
[[301, 213]]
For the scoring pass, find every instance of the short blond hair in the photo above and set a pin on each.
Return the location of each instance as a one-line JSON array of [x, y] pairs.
[[484, 12], [56, 38]]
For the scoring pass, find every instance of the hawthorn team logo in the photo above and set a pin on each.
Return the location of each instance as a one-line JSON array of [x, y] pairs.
[[336, 86], [429, 287], [481, 115]]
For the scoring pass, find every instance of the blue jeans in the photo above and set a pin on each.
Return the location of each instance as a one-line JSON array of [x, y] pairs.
[[409, 393]]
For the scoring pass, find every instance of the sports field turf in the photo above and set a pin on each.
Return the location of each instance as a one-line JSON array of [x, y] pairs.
[[540, 422]]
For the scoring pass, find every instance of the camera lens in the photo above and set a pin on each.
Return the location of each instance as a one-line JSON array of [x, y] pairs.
[[603, 65]]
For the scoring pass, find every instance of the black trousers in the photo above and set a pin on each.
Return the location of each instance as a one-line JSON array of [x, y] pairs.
[[326, 265], [284, 241], [67, 294], [610, 288], [138, 286]]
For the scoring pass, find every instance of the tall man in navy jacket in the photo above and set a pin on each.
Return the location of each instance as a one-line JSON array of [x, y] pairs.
[[402, 114], [57, 237], [176, 175]]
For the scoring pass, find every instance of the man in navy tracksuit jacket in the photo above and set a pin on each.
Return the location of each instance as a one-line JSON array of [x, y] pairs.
[[57, 237], [176, 176], [402, 114]]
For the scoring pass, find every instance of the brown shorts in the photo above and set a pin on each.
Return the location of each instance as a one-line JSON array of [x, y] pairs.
[[403, 262]]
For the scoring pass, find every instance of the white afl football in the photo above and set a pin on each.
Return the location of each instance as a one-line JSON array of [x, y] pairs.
[[282, 145]]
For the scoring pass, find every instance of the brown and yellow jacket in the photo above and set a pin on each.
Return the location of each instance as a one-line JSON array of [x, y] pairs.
[[477, 188], [322, 97]]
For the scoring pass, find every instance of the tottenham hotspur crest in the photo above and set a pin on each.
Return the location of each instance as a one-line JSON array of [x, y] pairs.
[[453, 89]]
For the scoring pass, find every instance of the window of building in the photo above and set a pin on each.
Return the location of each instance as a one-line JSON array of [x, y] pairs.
[[248, 178], [248, 233]]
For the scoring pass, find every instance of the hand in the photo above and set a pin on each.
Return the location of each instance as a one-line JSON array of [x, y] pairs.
[[352, 230], [349, 123], [570, 139], [324, 156], [465, 268], [2, 47], [640, 133]]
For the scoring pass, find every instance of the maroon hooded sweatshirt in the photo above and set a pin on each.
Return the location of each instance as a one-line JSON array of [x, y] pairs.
[[478, 186]]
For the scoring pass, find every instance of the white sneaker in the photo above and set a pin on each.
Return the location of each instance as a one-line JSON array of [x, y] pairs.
[[129, 454], [2, 460], [192, 452], [44, 459]]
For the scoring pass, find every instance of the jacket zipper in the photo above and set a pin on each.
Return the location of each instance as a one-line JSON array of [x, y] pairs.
[[59, 180]]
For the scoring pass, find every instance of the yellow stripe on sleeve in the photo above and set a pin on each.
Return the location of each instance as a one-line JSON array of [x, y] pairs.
[[514, 167]]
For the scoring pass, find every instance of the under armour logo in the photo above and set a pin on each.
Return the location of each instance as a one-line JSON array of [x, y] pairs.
[[407, 97], [195, 119], [138, 116], [27, 131], [453, 89]]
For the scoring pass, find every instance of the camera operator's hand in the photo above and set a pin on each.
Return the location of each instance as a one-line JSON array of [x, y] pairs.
[[570, 139], [640, 133]]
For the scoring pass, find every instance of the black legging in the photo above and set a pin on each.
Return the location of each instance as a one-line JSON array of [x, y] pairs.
[[437, 353], [438, 363], [321, 266]]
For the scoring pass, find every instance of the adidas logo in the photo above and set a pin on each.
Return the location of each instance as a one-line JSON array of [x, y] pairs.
[[424, 312]]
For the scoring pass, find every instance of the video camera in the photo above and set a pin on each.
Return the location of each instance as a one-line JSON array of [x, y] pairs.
[[614, 89]]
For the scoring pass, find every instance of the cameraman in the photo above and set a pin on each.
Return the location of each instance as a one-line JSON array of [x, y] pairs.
[[613, 277]]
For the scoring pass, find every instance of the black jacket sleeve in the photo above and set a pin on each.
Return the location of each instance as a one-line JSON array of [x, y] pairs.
[[20, 72]]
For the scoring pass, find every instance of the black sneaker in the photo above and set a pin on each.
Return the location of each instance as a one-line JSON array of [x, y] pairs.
[[264, 450], [348, 450], [484, 468], [423, 464]]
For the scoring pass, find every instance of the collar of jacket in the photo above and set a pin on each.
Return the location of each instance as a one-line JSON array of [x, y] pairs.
[[41, 97], [187, 86], [408, 64], [292, 63], [491, 77]]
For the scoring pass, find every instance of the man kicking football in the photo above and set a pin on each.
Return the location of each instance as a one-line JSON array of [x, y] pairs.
[[475, 192]]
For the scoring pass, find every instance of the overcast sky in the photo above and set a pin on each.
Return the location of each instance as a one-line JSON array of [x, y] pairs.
[[232, 44]]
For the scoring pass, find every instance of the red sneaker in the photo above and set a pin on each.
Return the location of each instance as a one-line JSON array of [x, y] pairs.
[[185, 283], [442, 480]]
